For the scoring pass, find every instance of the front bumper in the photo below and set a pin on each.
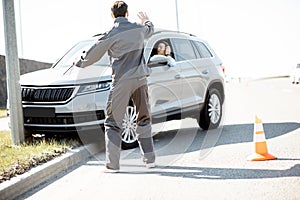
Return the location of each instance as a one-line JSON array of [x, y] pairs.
[[84, 112]]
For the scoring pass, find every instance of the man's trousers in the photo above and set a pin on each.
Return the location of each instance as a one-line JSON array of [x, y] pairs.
[[120, 93]]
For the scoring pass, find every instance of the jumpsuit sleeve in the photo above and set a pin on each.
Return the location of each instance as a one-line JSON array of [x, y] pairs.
[[95, 53], [149, 29]]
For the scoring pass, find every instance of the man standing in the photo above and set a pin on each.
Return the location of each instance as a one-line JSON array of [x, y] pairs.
[[125, 45]]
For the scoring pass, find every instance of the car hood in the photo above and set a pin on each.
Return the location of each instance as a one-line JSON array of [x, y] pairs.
[[63, 76]]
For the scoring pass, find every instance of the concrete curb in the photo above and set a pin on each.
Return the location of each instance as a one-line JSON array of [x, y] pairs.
[[25, 182]]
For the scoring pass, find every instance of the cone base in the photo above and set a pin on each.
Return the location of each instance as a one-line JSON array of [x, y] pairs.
[[260, 157]]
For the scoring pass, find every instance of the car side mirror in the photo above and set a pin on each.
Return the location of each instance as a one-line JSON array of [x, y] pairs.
[[158, 60]]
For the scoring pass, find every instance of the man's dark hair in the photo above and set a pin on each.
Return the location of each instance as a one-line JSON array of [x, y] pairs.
[[119, 9]]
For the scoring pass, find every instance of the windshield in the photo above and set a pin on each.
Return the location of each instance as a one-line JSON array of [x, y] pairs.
[[68, 59]]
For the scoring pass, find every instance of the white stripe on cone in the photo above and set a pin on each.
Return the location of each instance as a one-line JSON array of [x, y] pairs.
[[258, 127], [259, 138]]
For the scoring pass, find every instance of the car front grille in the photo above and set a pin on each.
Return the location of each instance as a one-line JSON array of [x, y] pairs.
[[66, 118], [46, 95]]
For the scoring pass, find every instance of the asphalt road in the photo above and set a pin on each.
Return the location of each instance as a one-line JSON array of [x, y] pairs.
[[195, 164]]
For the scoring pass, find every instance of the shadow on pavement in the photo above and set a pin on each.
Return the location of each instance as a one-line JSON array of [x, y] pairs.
[[271, 130], [227, 134], [220, 173]]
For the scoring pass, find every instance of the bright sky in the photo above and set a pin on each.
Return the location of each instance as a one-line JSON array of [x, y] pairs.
[[252, 37]]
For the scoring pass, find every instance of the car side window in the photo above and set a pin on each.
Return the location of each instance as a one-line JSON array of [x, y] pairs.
[[183, 49], [162, 54], [203, 50], [165, 42]]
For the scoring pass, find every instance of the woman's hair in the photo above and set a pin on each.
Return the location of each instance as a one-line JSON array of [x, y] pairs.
[[119, 9]]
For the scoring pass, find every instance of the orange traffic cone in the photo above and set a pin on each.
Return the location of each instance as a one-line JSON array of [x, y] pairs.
[[261, 149]]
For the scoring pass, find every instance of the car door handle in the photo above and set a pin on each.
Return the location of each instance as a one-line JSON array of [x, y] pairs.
[[177, 76], [205, 72]]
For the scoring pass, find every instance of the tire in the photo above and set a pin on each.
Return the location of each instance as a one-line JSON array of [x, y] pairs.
[[28, 135], [211, 114], [129, 139]]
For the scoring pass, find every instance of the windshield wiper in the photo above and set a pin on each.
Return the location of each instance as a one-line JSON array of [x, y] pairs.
[[69, 69]]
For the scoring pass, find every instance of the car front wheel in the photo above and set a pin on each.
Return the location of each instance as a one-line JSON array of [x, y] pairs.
[[129, 126], [211, 114]]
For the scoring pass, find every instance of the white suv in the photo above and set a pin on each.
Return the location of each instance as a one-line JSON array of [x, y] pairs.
[[63, 99]]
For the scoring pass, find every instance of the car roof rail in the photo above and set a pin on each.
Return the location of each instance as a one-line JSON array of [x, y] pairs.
[[157, 31]]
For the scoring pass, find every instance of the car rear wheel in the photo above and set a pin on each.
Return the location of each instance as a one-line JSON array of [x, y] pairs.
[[129, 139], [211, 114]]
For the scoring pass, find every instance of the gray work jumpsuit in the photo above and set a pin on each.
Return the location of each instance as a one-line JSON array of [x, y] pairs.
[[125, 45]]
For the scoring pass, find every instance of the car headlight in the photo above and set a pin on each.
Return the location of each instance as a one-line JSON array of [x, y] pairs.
[[95, 87]]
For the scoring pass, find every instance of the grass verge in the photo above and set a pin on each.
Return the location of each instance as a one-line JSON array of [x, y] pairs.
[[16, 160]]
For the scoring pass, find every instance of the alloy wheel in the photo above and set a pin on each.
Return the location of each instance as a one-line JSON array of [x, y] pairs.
[[129, 125], [214, 108]]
